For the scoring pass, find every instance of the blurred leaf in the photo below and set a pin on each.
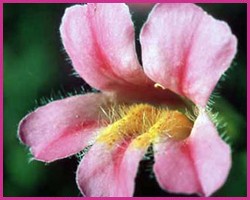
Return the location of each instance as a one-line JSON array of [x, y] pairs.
[[235, 123]]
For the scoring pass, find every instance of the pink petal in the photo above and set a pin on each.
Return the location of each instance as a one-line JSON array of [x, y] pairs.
[[186, 50], [99, 39], [106, 172], [211, 155], [61, 128], [174, 168], [198, 165]]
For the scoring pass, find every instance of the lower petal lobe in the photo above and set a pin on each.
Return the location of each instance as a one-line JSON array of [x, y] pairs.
[[200, 164], [61, 128]]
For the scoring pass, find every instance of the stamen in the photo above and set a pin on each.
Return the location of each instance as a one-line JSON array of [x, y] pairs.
[[144, 124], [158, 85]]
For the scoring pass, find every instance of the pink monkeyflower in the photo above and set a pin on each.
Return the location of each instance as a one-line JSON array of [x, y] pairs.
[[184, 53]]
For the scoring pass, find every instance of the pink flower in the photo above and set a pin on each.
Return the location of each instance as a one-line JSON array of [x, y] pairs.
[[184, 53]]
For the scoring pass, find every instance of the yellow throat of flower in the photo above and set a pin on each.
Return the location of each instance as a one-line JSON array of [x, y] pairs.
[[144, 124]]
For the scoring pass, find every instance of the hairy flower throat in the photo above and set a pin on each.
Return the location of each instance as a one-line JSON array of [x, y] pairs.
[[144, 124]]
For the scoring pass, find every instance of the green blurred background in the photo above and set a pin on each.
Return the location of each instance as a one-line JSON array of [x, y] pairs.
[[36, 67]]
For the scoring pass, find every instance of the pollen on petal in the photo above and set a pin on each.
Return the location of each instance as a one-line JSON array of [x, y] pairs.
[[144, 124]]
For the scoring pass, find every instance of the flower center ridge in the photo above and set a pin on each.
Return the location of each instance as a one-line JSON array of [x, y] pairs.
[[144, 124]]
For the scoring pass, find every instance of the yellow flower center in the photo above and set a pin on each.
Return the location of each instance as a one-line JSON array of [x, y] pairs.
[[144, 124]]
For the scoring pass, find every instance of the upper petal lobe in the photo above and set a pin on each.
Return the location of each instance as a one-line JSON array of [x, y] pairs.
[[99, 39], [186, 50]]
